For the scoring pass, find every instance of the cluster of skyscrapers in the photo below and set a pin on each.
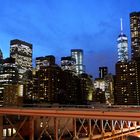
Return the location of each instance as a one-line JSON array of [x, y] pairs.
[[68, 83], [47, 82], [127, 81]]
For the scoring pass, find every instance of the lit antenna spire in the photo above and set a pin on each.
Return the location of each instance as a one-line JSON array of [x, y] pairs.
[[121, 26]]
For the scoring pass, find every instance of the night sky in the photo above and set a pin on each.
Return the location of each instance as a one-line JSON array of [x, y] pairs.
[[54, 27]]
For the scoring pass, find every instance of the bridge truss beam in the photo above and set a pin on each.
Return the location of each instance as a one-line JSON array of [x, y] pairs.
[[58, 128]]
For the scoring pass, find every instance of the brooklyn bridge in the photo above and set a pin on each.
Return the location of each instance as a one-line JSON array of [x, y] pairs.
[[69, 123]]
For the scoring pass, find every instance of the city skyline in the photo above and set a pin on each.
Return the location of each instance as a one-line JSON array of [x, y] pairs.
[[52, 26]]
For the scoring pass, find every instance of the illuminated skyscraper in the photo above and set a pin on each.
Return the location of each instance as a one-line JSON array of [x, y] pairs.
[[77, 54], [45, 61], [68, 63], [122, 46], [46, 84], [121, 83], [127, 85], [22, 52], [135, 34], [8, 75]]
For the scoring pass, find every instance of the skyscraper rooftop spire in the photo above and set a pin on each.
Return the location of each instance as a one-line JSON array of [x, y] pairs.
[[122, 45], [121, 26]]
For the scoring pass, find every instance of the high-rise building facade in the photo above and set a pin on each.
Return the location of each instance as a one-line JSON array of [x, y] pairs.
[[122, 46], [127, 85], [77, 54], [134, 82], [121, 83], [46, 84], [8, 75], [68, 63], [70, 92], [109, 86], [135, 35], [87, 88], [121, 67], [45, 61], [22, 52], [99, 85], [103, 71], [13, 94]]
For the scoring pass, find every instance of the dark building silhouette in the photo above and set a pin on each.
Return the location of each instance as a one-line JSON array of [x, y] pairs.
[[121, 83], [47, 83], [87, 88], [99, 96], [134, 82], [70, 92], [50, 84], [29, 96], [103, 71], [13, 95], [53, 85], [135, 35], [109, 88]]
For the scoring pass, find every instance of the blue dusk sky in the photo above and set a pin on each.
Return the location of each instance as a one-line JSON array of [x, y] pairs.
[[54, 27]]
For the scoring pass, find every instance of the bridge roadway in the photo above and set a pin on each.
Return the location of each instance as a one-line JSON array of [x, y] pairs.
[[123, 113], [120, 119]]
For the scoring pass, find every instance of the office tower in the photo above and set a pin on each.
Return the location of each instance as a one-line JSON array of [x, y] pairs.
[[134, 82], [70, 92], [99, 85], [103, 71], [8, 74], [135, 35], [68, 63], [1, 55], [53, 85], [122, 46], [13, 95], [121, 67], [22, 52], [87, 88], [77, 54], [29, 96], [134, 64], [46, 83], [104, 88], [39, 61], [45, 61], [127, 85], [121, 83], [109, 88]]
